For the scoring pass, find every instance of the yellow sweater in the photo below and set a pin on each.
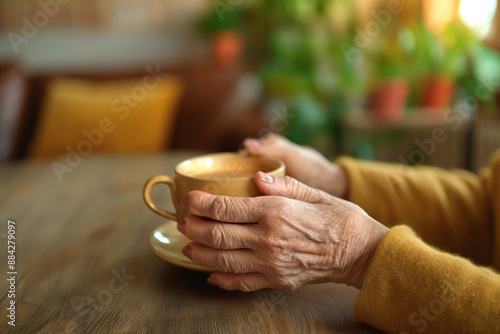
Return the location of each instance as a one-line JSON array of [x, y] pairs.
[[412, 285]]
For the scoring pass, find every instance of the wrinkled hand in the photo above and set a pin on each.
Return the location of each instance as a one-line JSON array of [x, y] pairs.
[[302, 163], [297, 235]]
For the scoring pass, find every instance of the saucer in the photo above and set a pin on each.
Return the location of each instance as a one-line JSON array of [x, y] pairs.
[[167, 243]]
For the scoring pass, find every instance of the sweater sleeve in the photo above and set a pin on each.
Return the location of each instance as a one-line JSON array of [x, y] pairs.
[[411, 287], [451, 210]]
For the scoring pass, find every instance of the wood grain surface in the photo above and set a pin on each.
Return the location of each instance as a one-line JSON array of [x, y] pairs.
[[84, 265]]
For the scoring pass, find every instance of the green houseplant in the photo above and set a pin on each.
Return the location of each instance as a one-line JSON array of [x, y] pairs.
[[441, 62], [481, 82], [304, 66]]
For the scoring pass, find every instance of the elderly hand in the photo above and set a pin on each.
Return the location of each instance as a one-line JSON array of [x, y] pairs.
[[302, 163], [297, 235]]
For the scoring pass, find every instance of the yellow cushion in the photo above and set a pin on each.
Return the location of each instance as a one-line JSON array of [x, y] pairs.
[[112, 116]]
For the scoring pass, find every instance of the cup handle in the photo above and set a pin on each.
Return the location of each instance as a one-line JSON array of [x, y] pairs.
[[147, 195]]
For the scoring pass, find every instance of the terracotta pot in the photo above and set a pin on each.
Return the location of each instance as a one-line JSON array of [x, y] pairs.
[[388, 100], [437, 93], [227, 47]]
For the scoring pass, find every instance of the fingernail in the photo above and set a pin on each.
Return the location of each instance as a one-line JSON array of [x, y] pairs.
[[181, 226], [212, 280], [187, 251], [252, 143], [266, 178], [185, 202]]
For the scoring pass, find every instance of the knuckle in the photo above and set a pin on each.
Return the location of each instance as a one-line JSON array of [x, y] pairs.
[[303, 191], [219, 207], [270, 208], [222, 262], [280, 206], [280, 271], [246, 286], [216, 236], [277, 266], [291, 184], [287, 283], [274, 243]]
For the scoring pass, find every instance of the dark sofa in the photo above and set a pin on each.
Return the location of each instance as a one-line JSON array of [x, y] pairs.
[[201, 121]]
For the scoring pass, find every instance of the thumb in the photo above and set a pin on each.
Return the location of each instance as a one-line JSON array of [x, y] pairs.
[[288, 187]]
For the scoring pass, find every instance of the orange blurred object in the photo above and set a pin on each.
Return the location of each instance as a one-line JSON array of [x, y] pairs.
[[388, 100], [438, 92], [228, 46]]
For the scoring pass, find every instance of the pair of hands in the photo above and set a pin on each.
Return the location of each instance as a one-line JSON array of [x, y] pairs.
[[297, 234]]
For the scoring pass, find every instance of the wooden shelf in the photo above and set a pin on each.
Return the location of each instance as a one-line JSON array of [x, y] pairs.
[[413, 119], [422, 136]]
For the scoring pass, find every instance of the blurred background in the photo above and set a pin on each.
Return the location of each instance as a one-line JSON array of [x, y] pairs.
[[391, 80]]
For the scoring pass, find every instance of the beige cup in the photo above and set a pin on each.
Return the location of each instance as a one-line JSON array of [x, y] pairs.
[[229, 174]]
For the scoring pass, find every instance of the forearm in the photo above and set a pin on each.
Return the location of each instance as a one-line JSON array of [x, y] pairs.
[[412, 287], [448, 209]]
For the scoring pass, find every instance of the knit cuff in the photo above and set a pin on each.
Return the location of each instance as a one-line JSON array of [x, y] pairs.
[[411, 287]]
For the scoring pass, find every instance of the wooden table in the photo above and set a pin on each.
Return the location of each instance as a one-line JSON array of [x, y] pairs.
[[84, 265]]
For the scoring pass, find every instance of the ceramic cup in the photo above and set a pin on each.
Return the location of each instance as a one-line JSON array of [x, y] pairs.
[[229, 174]]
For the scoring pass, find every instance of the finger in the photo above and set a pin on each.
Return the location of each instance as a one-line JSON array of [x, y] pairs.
[[222, 208], [289, 187], [271, 144], [243, 282], [252, 146], [235, 261], [219, 235]]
